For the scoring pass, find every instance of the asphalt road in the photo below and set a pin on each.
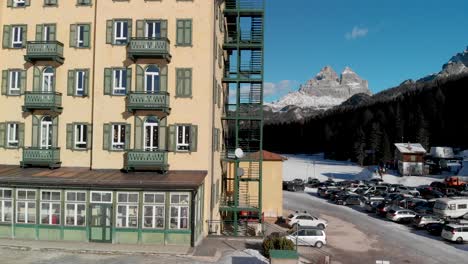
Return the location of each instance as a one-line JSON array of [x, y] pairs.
[[357, 237]]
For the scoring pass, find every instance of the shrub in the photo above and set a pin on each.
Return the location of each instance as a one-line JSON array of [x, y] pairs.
[[276, 242]]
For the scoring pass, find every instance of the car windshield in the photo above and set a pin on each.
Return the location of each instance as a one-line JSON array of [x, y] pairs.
[[448, 228]]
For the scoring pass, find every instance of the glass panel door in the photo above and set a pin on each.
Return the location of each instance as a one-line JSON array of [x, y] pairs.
[[151, 137], [101, 223], [153, 30]]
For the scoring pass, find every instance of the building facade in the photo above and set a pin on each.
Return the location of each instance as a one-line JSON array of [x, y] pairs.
[[116, 116]]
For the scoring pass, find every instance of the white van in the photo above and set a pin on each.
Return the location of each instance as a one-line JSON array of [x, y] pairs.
[[458, 233], [452, 207]]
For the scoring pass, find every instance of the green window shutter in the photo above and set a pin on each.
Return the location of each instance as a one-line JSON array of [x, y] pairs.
[[36, 79], [163, 78], [55, 132], [109, 32], [163, 138], [35, 131], [180, 32], [2, 134], [70, 136], [218, 99], [71, 83], [164, 28], [54, 83], [188, 82], [138, 144], [24, 28], [89, 140], [23, 78], [72, 35], [106, 137], [140, 79], [179, 82], [10, 3], [215, 93], [86, 35], [107, 81], [172, 138], [129, 80], [27, 2], [193, 138], [140, 28], [128, 133], [86, 83], [39, 32], [129, 23], [188, 32], [4, 82], [53, 32], [21, 135], [6, 43]]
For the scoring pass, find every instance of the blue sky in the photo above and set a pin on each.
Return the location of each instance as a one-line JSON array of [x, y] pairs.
[[384, 41]]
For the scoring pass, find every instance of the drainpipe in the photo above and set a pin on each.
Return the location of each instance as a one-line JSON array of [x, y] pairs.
[[93, 84]]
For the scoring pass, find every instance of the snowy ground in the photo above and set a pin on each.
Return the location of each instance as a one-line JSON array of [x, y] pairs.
[[315, 166]]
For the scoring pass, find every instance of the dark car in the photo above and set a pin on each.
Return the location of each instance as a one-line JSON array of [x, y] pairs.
[[435, 229], [382, 208], [294, 185], [424, 208], [348, 200], [438, 184], [313, 182]]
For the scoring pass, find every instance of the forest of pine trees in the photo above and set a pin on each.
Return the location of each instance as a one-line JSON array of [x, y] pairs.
[[432, 113]]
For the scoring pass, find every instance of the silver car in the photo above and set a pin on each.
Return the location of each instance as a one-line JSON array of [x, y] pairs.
[[420, 221]]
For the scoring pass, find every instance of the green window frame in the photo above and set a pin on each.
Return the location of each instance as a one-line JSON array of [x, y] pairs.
[[80, 35], [51, 207], [184, 82], [50, 2], [108, 137], [13, 82], [43, 29], [79, 136], [215, 139], [111, 32], [26, 209], [127, 210], [83, 2], [6, 130], [12, 4], [78, 82], [154, 210], [183, 138], [179, 211], [8, 36], [75, 208], [6, 205], [109, 81], [184, 32]]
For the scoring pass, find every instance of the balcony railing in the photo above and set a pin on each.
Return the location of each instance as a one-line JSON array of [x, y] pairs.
[[44, 51], [157, 101], [227, 200], [147, 160], [244, 5], [42, 101], [41, 157], [155, 48]]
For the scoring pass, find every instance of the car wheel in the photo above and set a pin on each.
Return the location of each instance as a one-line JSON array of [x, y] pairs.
[[318, 244], [460, 240], [344, 203], [321, 226]]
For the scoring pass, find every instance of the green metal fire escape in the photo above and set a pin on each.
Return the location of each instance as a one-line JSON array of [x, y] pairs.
[[243, 114]]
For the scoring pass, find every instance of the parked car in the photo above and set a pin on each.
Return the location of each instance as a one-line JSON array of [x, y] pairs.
[[350, 199], [308, 236], [400, 215], [435, 229], [305, 219], [453, 207], [294, 185], [382, 208], [393, 187], [438, 184], [453, 232], [378, 189], [424, 207], [371, 204], [420, 221], [325, 192], [313, 182]]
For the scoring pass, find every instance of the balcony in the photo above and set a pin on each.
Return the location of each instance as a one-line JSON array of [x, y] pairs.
[[44, 51], [246, 7], [157, 101], [51, 101], [145, 48], [145, 160], [41, 157]]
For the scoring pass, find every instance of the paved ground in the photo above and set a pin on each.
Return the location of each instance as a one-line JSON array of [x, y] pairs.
[[356, 237]]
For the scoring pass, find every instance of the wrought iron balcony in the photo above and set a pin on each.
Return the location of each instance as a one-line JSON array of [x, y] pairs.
[[146, 160], [41, 157], [157, 101], [149, 48], [42, 101], [44, 51]]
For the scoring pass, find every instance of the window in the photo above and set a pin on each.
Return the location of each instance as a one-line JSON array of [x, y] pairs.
[[120, 32], [17, 38], [80, 36], [215, 139], [50, 207], [452, 207], [119, 81], [184, 82], [50, 2], [152, 79], [19, 3], [80, 83], [81, 136], [46, 132], [101, 197], [179, 211], [15, 82], [413, 158], [6, 208], [75, 208], [183, 138], [48, 79], [151, 134], [12, 135], [118, 136], [25, 206], [153, 29], [78, 136], [462, 206], [127, 209], [153, 210], [83, 2], [184, 32]]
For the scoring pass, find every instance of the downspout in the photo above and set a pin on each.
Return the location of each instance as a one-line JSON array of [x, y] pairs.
[[94, 87]]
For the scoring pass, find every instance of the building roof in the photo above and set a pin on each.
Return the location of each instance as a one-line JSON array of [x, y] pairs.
[[410, 148], [269, 156], [86, 178]]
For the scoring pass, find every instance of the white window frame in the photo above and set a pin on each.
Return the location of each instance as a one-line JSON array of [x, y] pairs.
[[80, 74], [118, 87], [19, 3], [153, 80], [179, 207], [154, 205], [45, 33], [47, 125], [17, 36], [14, 82], [50, 77], [79, 41], [80, 135], [127, 205], [12, 142], [183, 143], [152, 146], [4, 200], [26, 202], [51, 202], [75, 204], [120, 137], [101, 193], [153, 34], [119, 37]]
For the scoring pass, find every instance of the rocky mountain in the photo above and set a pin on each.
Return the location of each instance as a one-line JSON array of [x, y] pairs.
[[458, 64]]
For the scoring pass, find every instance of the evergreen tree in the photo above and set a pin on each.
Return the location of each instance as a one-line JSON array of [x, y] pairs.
[[360, 146]]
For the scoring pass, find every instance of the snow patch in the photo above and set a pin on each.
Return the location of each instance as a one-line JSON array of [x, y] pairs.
[[304, 100]]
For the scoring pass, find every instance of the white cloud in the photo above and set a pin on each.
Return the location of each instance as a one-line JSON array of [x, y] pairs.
[[279, 88], [357, 32]]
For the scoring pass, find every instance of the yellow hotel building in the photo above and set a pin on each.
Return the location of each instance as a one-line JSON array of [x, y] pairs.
[[119, 118]]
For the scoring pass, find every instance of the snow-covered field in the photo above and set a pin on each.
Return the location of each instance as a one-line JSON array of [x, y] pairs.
[[315, 166]]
